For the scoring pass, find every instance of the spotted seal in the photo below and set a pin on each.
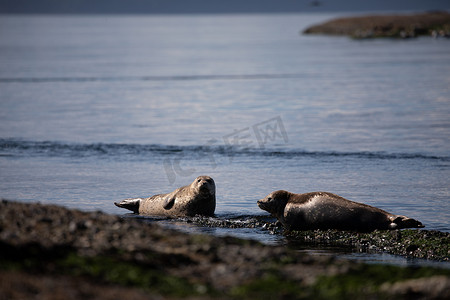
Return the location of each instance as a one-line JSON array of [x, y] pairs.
[[321, 210], [198, 198]]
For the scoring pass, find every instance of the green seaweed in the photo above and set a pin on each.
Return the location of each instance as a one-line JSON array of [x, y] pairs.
[[359, 282], [110, 270], [366, 280], [107, 269], [269, 286]]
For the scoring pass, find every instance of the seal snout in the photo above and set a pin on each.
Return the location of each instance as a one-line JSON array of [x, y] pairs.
[[205, 183], [262, 204]]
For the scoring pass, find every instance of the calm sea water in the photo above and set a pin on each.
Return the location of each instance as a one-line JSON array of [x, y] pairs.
[[94, 109]]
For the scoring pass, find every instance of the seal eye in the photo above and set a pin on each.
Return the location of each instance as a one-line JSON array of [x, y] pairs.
[[269, 199], [198, 180]]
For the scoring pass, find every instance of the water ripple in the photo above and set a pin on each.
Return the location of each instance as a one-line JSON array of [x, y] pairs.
[[152, 78], [16, 147]]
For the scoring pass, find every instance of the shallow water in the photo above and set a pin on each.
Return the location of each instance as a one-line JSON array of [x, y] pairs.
[[94, 109]]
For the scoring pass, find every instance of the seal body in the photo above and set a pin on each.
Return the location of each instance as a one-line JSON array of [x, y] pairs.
[[198, 198], [322, 210]]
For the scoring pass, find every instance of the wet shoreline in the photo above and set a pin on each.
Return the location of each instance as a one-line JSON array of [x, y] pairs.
[[44, 245], [412, 243]]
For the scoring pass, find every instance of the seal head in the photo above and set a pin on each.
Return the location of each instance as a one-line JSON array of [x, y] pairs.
[[201, 191], [204, 185], [275, 202]]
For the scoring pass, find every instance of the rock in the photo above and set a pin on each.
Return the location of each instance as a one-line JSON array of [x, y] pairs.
[[436, 24], [429, 244], [436, 287], [48, 251]]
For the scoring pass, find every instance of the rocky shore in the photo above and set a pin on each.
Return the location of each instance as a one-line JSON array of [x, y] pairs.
[[414, 243], [436, 24], [50, 252]]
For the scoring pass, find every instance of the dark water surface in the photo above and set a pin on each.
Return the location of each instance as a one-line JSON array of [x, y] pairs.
[[94, 109]]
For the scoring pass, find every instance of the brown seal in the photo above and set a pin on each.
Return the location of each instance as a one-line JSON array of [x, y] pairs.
[[321, 210], [198, 198]]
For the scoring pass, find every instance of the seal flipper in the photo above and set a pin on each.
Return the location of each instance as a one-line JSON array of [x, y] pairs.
[[131, 204], [168, 203], [404, 222]]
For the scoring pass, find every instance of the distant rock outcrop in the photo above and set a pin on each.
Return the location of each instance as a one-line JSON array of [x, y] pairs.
[[436, 24]]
